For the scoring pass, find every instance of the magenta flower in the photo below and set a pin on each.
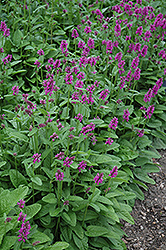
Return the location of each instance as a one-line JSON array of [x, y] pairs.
[[66, 203], [8, 219], [82, 165], [98, 178], [91, 43], [136, 74], [144, 50], [149, 112], [6, 32], [87, 29], [148, 95], [24, 231], [60, 156], [40, 52], [59, 175], [36, 157], [54, 136], [21, 203], [21, 217], [114, 172], [113, 123], [126, 115], [74, 34], [81, 44], [109, 141], [63, 47], [68, 161], [81, 75], [135, 62], [140, 132], [118, 56], [7, 59], [1, 50], [139, 31], [68, 78], [104, 94], [79, 117], [15, 90], [88, 128], [37, 63], [3, 26]]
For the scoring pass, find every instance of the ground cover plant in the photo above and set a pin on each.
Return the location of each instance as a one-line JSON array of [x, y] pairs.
[[82, 112]]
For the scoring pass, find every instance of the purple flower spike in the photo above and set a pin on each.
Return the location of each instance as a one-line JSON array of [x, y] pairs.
[[126, 115], [98, 178], [59, 175], [36, 157], [114, 123], [114, 172], [21, 203], [24, 231]]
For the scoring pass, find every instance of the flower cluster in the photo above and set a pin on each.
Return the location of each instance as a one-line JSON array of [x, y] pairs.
[[68, 161], [59, 175], [98, 178], [82, 165], [36, 157], [3, 27], [113, 123], [114, 172]]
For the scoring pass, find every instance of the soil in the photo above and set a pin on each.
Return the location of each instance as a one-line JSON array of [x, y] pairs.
[[149, 230]]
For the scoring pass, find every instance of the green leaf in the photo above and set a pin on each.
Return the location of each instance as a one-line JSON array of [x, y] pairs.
[[54, 212], [39, 236], [58, 246], [10, 198], [50, 198], [33, 131], [125, 215], [70, 218], [137, 191], [142, 175], [96, 231], [81, 244], [150, 168], [18, 35], [32, 210], [8, 242], [78, 230], [95, 207], [17, 178], [150, 154], [104, 200], [19, 135], [154, 123], [140, 161], [36, 180], [80, 206], [2, 163]]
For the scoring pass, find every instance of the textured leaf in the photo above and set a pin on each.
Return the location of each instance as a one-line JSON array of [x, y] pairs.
[[32, 210], [95, 231], [10, 198], [142, 175], [17, 37], [2, 163], [8, 242], [58, 246], [50, 198], [125, 215], [36, 180], [17, 178]]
